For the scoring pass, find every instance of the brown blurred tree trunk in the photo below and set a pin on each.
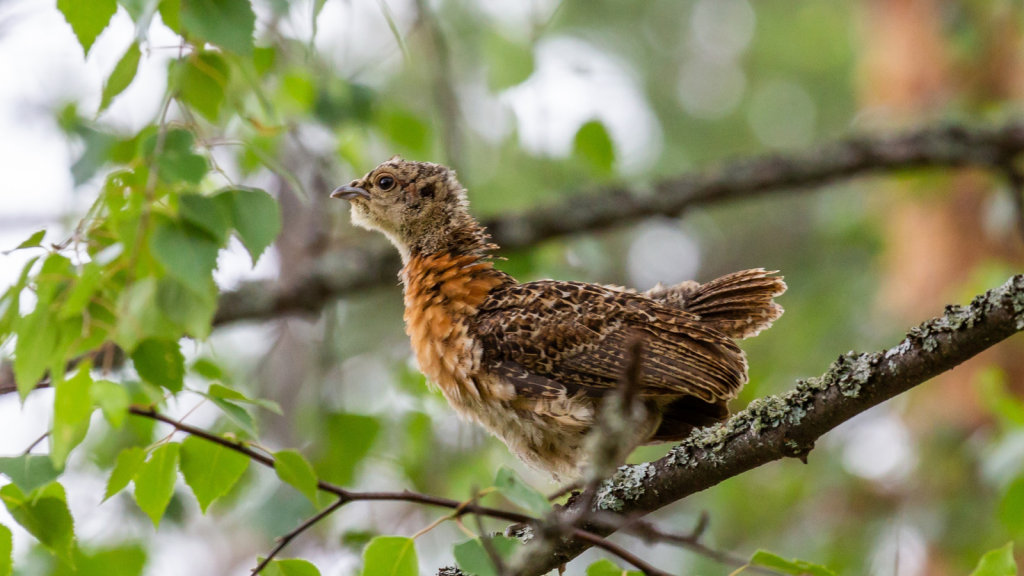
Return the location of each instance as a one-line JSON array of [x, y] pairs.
[[936, 230]]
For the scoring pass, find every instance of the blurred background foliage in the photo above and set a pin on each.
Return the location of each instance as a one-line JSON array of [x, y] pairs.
[[199, 106]]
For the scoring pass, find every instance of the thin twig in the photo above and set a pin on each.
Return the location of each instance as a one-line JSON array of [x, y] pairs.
[[609, 443], [444, 86], [619, 551], [35, 443], [350, 496], [346, 496], [574, 485], [611, 439], [287, 538], [485, 541], [651, 534], [453, 515]]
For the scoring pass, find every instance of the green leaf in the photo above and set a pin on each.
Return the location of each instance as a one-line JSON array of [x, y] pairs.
[[235, 413], [996, 396], [349, 439], [154, 483], [122, 76], [29, 472], [136, 8], [998, 562], [34, 349], [510, 63], [98, 148], [190, 310], [594, 145], [1011, 508], [128, 463], [290, 567], [210, 469], [54, 277], [207, 369], [10, 302], [178, 163], [6, 549], [188, 254], [513, 487], [170, 13], [113, 399], [405, 129], [160, 362], [293, 468], [82, 292], [263, 59], [472, 557], [206, 213], [256, 217], [608, 568], [72, 406], [44, 514], [794, 567], [87, 19], [226, 23], [201, 80], [32, 241], [390, 556], [218, 391], [140, 315], [123, 561]]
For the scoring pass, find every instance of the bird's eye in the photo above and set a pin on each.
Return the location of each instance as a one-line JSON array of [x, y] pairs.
[[386, 183]]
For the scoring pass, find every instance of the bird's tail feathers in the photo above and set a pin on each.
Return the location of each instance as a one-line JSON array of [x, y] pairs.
[[739, 305]]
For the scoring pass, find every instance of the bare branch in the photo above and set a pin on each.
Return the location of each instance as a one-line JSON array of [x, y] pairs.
[[461, 508], [287, 538], [953, 146], [346, 496], [444, 86]]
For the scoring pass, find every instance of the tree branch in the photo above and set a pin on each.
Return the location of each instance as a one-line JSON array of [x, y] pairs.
[[335, 275], [346, 496], [784, 426], [287, 538]]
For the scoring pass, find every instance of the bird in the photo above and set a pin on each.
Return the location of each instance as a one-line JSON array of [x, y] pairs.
[[533, 362]]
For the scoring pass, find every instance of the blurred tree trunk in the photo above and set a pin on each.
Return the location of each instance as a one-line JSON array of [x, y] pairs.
[[939, 230]]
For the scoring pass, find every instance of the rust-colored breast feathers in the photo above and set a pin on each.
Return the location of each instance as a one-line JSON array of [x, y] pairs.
[[442, 292]]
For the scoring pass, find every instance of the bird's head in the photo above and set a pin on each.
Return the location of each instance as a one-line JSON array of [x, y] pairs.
[[419, 206]]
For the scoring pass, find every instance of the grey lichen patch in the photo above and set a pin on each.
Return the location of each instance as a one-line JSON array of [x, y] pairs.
[[849, 373], [959, 317], [626, 484], [1016, 287], [522, 532]]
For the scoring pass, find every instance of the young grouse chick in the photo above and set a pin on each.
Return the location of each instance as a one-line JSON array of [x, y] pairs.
[[531, 362]]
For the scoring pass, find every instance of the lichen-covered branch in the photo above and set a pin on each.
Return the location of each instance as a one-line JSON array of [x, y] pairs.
[[334, 275], [784, 426]]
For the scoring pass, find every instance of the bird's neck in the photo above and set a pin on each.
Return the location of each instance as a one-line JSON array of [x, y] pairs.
[[459, 235], [454, 262]]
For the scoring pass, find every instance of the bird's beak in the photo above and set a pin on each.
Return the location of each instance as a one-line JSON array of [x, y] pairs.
[[349, 192]]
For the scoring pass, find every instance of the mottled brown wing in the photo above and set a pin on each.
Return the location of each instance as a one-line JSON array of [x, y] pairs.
[[552, 338]]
